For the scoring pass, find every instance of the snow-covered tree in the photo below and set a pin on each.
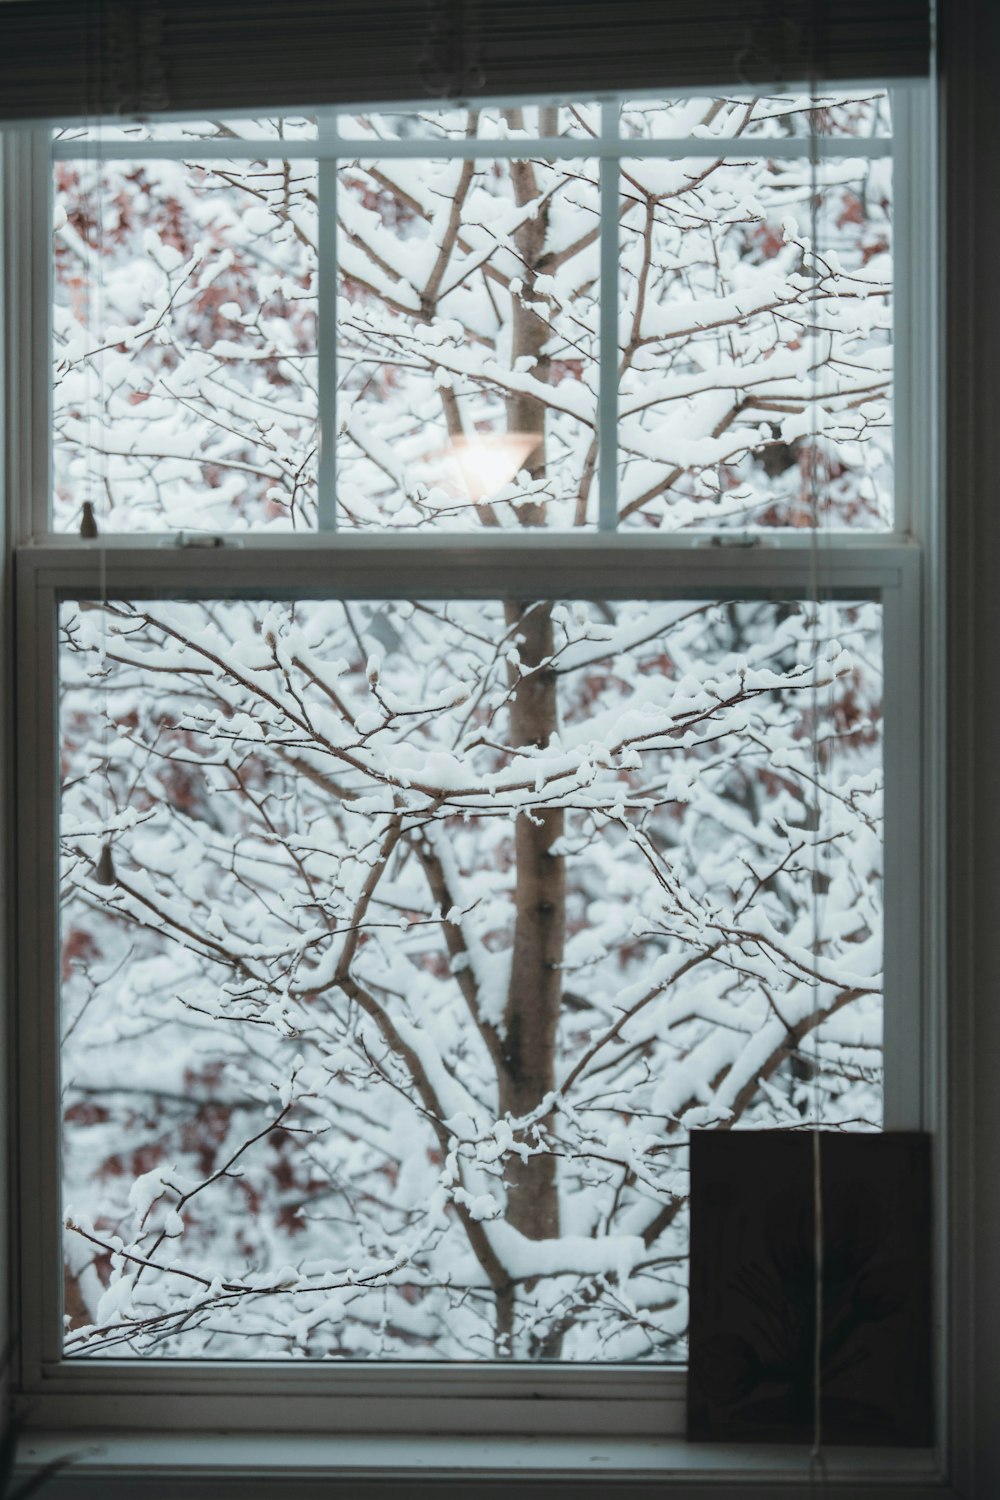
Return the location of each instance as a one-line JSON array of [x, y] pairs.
[[437, 924]]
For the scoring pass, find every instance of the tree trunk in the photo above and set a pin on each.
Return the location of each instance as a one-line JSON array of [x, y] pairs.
[[531, 1016], [530, 327]]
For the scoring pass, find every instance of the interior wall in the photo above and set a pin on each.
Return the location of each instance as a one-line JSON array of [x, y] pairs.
[[970, 58]]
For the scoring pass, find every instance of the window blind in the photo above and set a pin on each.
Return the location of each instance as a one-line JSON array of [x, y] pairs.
[[72, 59]]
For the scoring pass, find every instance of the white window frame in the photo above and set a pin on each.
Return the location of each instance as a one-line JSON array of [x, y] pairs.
[[638, 1412]]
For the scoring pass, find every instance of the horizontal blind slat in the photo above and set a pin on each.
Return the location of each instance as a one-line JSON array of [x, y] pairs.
[[65, 60]]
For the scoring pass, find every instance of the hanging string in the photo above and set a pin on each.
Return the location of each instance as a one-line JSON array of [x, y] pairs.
[[95, 464], [810, 266], [817, 1459]]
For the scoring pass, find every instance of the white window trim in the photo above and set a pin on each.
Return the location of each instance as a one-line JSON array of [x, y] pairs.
[[519, 1399]]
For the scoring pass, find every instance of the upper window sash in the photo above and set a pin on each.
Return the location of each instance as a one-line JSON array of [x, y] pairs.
[[337, 142]]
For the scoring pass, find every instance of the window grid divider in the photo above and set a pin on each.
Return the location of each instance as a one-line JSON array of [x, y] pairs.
[[548, 148], [327, 275], [608, 351]]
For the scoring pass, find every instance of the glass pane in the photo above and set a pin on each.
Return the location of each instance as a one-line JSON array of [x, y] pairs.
[[863, 113], [577, 121], [740, 341], [433, 929], [467, 359], [185, 345]]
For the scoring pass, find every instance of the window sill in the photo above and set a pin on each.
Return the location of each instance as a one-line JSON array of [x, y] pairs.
[[202, 1466]]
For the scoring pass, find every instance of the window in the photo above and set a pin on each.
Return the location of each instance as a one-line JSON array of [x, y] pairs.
[[487, 731]]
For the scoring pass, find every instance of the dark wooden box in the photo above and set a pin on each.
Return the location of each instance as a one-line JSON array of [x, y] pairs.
[[753, 1288]]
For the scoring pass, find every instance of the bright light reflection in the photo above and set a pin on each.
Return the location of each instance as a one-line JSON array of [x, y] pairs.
[[486, 462]]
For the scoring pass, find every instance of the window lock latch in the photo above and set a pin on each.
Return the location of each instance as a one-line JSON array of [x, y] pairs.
[[203, 540]]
